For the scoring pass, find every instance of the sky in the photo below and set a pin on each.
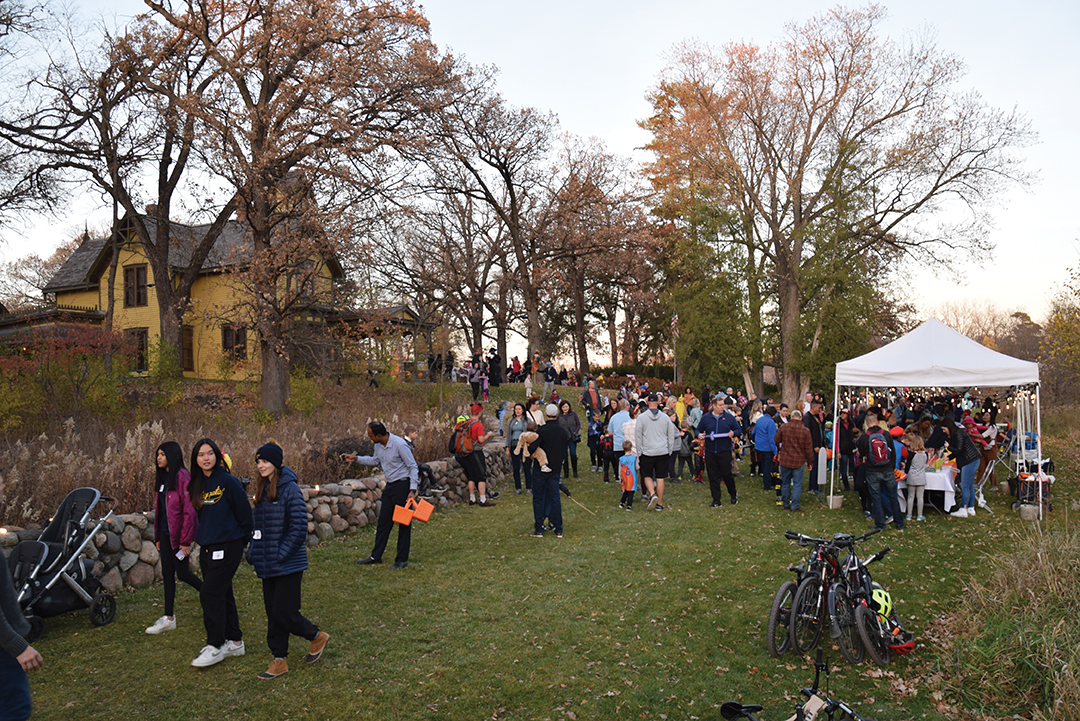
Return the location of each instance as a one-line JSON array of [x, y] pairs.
[[592, 62]]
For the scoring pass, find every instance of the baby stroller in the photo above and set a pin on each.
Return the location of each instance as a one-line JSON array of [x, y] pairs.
[[51, 577]]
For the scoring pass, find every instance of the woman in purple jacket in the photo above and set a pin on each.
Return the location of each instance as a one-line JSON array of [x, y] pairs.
[[175, 524]]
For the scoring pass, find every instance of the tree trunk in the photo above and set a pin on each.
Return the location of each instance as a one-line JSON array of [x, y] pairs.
[[580, 341], [274, 386], [613, 339], [789, 325]]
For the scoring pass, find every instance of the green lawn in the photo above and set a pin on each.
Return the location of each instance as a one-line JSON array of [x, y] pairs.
[[631, 615]]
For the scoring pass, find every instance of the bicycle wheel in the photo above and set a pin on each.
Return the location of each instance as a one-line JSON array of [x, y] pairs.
[[806, 615], [842, 614], [870, 633], [779, 619]]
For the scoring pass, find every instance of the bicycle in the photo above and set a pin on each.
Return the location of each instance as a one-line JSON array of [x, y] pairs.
[[852, 589], [779, 639], [816, 708], [880, 630], [808, 610]]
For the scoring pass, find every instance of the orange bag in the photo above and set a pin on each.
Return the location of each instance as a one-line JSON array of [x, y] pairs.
[[404, 514], [423, 510]]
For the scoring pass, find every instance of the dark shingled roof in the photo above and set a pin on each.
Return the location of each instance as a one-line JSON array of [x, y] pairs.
[[233, 246], [74, 274]]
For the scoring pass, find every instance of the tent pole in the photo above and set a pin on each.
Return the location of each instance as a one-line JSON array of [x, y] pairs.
[[1038, 447], [835, 444]]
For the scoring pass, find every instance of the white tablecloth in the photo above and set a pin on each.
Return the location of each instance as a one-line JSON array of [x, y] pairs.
[[935, 481]]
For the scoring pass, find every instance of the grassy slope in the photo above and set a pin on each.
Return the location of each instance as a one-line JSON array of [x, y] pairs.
[[644, 615]]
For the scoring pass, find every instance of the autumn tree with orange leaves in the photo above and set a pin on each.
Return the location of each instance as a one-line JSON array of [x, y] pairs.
[[829, 145]]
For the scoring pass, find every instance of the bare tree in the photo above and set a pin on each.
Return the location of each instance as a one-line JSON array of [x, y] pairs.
[[328, 92]]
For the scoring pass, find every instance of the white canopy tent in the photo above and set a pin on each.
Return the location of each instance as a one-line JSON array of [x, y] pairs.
[[935, 355]]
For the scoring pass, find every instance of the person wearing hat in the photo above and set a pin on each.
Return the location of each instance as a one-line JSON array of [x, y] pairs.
[[654, 439], [474, 463], [553, 438], [278, 553], [392, 454]]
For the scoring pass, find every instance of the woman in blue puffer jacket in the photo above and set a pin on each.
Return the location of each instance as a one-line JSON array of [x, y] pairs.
[[279, 555]]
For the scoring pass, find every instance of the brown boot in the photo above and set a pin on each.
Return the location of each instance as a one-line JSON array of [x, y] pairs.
[[317, 646], [277, 667]]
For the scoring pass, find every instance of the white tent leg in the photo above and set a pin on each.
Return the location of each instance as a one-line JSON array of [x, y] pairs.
[[1038, 447], [835, 444]]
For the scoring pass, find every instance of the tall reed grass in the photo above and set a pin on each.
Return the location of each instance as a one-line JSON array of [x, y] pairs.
[[117, 456]]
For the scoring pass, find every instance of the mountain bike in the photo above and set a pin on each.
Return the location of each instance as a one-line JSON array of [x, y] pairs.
[[808, 609], [779, 638], [852, 589]]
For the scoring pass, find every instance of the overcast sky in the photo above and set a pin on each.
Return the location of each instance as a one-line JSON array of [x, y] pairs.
[[592, 62]]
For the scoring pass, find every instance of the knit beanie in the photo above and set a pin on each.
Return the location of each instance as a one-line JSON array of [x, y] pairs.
[[270, 452]]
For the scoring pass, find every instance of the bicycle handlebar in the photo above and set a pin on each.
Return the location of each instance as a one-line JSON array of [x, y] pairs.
[[877, 556]]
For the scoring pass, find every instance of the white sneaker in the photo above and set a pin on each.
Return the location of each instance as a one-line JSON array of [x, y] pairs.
[[209, 656], [162, 625], [971, 512], [960, 513], [234, 648]]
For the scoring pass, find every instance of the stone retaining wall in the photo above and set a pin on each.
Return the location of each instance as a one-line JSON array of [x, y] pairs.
[[124, 554]]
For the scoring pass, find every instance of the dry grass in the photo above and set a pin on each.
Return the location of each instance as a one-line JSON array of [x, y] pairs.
[[1020, 647], [116, 456]]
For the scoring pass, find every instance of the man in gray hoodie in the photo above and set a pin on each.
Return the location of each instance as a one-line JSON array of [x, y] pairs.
[[654, 441], [16, 655]]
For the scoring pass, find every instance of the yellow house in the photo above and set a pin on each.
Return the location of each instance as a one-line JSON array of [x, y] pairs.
[[217, 340]]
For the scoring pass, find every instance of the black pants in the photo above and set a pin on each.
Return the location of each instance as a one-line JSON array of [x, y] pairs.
[[475, 390], [596, 454], [718, 467], [425, 477], [611, 461], [627, 499], [281, 599], [219, 562], [394, 494], [173, 568]]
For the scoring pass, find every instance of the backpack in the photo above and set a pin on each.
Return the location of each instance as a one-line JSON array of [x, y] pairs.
[[463, 440], [879, 449]]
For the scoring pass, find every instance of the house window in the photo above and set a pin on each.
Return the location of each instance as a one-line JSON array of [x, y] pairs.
[[187, 348], [234, 341], [135, 286], [140, 348]]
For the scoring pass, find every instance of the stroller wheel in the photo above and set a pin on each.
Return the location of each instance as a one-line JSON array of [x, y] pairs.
[[37, 629], [103, 609]]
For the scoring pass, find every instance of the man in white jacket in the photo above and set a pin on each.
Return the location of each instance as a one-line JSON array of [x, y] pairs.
[[655, 440]]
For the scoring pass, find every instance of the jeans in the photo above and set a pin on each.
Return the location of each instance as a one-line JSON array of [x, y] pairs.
[[529, 469], [281, 599], [765, 458], [515, 465], [882, 487], [14, 688], [812, 473], [967, 484], [546, 500], [549, 386], [791, 486], [847, 469]]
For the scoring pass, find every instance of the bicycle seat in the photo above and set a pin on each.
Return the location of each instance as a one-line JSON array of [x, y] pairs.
[[734, 710]]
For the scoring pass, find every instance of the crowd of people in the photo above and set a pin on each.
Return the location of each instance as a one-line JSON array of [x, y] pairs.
[[639, 437]]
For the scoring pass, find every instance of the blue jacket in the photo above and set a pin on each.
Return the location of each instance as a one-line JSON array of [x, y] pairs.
[[720, 426], [225, 514], [765, 434], [278, 542]]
